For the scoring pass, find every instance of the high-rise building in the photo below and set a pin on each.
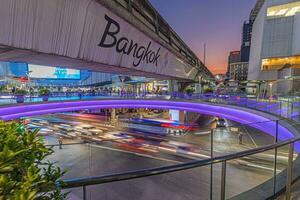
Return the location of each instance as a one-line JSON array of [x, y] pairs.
[[234, 57], [247, 32], [275, 45], [238, 71], [246, 41]]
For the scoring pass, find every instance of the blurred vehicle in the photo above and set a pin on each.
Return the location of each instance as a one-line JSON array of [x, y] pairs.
[[85, 133], [221, 122], [45, 131], [90, 139], [95, 131], [73, 133], [31, 126], [179, 146], [114, 136], [137, 145], [85, 127], [63, 134]]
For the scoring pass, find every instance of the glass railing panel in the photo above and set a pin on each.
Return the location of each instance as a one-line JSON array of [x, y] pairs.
[[250, 172], [295, 111], [83, 160], [285, 109], [188, 184], [74, 159], [273, 107], [283, 164], [235, 137], [74, 193], [216, 180]]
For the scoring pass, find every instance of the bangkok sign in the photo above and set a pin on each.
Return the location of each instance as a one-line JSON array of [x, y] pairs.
[[140, 53]]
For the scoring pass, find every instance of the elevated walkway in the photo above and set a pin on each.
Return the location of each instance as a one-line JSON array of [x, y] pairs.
[[285, 131], [114, 36]]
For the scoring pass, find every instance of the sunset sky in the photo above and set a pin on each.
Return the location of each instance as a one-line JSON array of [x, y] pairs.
[[218, 23]]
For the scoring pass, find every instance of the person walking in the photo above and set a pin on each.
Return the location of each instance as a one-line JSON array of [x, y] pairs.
[[60, 142], [240, 136]]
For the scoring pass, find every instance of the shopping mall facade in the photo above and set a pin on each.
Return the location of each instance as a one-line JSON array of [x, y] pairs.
[[275, 47], [59, 79]]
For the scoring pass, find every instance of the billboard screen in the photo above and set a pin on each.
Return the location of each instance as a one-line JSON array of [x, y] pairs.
[[47, 72], [174, 115]]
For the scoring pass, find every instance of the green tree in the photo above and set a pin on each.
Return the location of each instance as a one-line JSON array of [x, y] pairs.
[[24, 173], [44, 92]]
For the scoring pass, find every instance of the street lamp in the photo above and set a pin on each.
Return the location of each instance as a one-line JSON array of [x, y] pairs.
[[271, 87], [28, 82], [28, 75]]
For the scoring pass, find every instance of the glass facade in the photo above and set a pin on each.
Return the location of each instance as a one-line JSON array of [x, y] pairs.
[[285, 10], [279, 63]]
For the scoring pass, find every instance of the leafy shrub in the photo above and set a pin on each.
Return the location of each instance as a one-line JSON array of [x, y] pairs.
[[190, 91], [208, 90], [44, 92], [24, 173], [21, 92]]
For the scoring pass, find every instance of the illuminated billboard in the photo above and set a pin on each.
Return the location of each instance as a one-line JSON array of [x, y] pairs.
[[47, 72], [174, 115]]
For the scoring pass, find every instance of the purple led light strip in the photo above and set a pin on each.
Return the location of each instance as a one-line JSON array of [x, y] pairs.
[[231, 113]]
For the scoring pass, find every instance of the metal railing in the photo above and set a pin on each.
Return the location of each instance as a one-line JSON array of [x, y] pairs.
[[224, 160], [289, 108]]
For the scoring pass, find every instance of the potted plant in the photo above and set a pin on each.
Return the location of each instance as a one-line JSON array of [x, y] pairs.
[[2, 88], [20, 95], [190, 91], [25, 173], [208, 90], [44, 93]]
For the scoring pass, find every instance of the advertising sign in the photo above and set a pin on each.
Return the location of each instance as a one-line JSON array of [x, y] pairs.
[[47, 72]]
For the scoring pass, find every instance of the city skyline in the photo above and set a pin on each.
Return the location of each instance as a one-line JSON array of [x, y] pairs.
[[197, 24], [114, 99]]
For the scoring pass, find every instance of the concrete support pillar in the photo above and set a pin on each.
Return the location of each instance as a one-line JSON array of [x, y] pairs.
[[182, 117], [140, 112], [198, 87], [173, 86], [182, 86], [113, 116]]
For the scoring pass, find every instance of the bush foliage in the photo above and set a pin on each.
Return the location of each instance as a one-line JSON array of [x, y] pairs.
[[24, 173]]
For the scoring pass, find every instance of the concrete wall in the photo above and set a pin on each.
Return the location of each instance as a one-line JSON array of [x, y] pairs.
[[272, 38], [277, 37], [296, 35], [254, 70]]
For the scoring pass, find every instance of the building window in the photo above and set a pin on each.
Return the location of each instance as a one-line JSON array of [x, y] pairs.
[[278, 63], [285, 10]]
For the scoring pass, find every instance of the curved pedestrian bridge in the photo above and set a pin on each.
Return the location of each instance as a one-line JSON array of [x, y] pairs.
[[260, 120]]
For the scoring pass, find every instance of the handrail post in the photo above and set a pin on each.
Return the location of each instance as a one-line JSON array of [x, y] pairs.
[[280, 107], [288, 112], [292, 108], [223, 180], [84, 192], [289, 172], [211, 166], [275, 161]]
